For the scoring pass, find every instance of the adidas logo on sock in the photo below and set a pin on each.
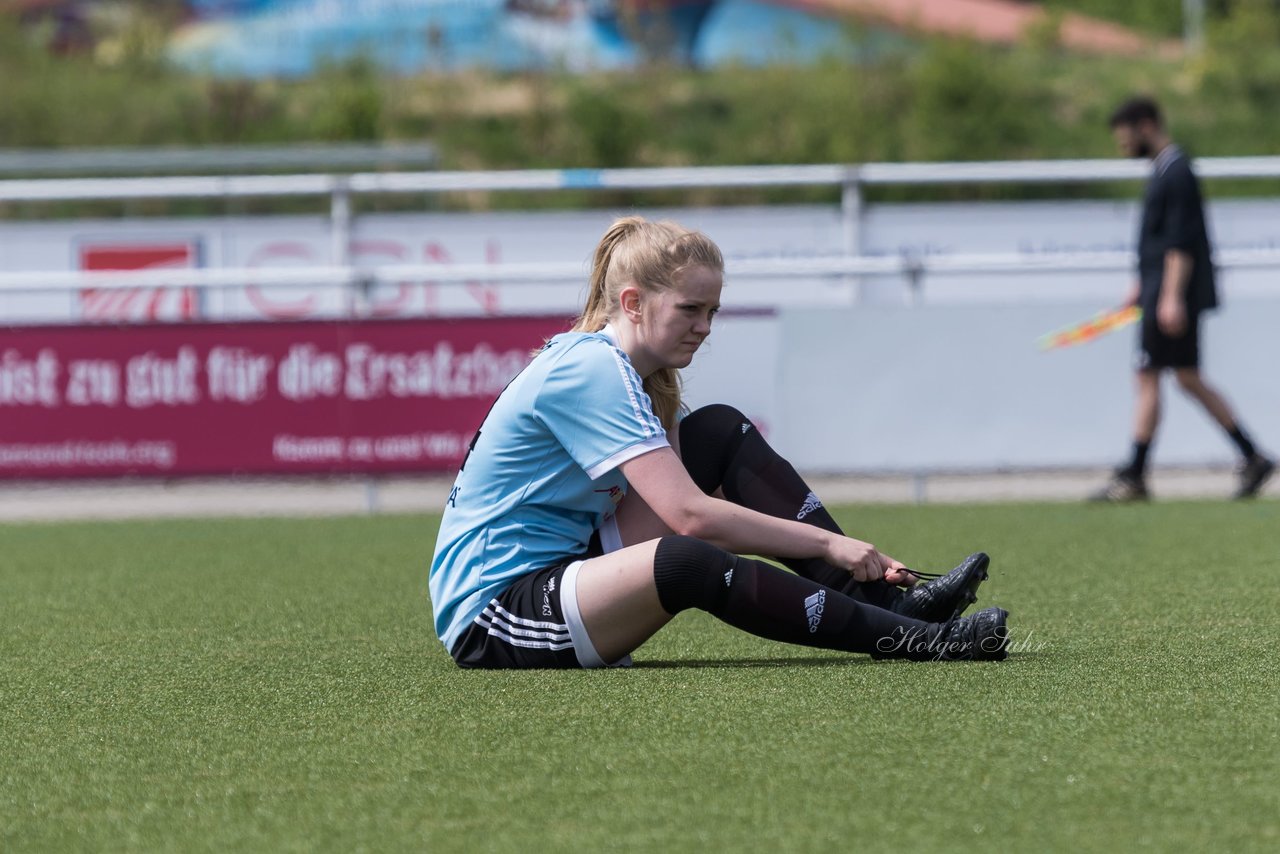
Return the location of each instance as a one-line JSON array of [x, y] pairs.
[[811, 503], [813, 607], [728, 577]]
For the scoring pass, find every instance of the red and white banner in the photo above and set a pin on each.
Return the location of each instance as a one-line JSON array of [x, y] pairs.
[[139, 304], [254, 398]]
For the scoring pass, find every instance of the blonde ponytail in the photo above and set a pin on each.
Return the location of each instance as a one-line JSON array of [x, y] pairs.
[[595, 314], [665, 390]]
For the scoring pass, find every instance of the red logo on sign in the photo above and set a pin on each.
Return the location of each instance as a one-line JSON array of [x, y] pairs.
[[139, 304]]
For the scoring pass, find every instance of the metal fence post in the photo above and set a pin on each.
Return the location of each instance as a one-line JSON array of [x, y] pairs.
[[913, 268], [919, 487], [851, 227], [340, 227]]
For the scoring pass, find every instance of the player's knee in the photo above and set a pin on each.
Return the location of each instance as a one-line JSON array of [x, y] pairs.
[[717, 421], [709, 437], [690, 573]]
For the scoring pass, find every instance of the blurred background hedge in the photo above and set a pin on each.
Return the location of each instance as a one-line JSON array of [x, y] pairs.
[[916, 100]]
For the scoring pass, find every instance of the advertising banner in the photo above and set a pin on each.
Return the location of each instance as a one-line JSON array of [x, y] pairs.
[[254, 398]]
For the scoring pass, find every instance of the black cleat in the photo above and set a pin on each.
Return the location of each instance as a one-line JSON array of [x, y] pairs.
[[984, 636], [1122, 489], [1253, 474], [944, 598]]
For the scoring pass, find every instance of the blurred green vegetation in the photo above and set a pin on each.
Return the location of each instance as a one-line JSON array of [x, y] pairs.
[[1158, 17], [933, 100], [1161, 17]]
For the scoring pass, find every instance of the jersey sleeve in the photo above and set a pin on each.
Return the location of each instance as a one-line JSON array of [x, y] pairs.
[[595, 405]]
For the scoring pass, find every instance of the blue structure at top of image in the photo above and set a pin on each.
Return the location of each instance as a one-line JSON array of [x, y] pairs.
[[219, 8], [759, 33], [263, 38], [294, 37], [680, 23]]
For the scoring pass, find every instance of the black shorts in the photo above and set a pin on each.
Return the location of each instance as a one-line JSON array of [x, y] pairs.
[[534, 623], [1158, 350]]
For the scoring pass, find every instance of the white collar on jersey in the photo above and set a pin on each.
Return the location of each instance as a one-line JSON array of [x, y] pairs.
[[610, 333]]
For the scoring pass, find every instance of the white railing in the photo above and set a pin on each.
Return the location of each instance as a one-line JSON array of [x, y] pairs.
[[359, 278], [852, 179], [864, 175], [116, 161]]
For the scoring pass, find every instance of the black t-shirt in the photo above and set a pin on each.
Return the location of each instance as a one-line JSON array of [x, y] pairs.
[[1173, 218]]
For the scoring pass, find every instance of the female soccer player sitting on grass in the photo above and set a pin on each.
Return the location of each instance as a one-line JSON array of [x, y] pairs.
[[589, 512]]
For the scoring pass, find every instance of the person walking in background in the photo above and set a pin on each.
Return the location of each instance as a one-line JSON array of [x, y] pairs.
[[1175, 286]]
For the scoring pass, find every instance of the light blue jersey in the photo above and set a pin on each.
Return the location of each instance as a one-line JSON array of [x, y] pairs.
[[543, 474]]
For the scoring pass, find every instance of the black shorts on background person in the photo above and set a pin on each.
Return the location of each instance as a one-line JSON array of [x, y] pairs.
[[1156, 349], [1175, 287]]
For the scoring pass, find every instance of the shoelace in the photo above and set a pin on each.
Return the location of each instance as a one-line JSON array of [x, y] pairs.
[[930, 575]]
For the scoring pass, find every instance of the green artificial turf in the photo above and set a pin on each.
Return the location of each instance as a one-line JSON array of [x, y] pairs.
[[275, 685]]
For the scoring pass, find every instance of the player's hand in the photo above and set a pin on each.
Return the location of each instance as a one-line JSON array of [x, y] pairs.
[[1132, 297], [859, 559], [896, 573], [1172, 317]]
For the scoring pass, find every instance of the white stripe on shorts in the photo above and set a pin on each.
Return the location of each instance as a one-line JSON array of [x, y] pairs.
[[512, 619], [583, 648], [496, 630], [498, 626], [496, 615]]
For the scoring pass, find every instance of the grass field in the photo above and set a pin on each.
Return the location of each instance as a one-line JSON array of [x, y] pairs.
[[275, 685]]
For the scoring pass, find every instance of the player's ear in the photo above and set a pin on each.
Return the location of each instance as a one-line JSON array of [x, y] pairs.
[[630, 300]]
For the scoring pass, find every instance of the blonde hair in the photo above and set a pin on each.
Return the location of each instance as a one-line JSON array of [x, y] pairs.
[[636, 251]]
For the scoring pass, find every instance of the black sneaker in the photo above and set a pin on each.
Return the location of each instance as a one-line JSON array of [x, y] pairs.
[[982, 636], [943, 598], [1253, 474], [1123, 488]]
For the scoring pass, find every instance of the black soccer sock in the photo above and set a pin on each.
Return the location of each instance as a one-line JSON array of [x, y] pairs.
[[722, 449], [770, 603], [1237, 434], [1138, 464]]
